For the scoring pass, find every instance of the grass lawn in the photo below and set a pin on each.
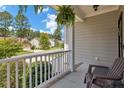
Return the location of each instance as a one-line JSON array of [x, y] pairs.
[[54, 48], [23, 52]]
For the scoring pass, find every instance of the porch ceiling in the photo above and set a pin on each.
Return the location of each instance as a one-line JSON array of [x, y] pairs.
[[86, 11]]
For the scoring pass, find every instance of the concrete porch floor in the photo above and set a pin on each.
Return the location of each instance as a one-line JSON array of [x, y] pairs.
[[74, 79]]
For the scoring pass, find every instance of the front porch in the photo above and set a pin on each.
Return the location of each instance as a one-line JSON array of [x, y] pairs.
[[94, 41], [73, 79]]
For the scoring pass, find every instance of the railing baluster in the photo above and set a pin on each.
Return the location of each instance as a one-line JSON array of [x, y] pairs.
[[55, 64], [30, 73], [35, 71], [16, 74], [41, 69], [52, 66], [68, 60], [24, 74], [49, 66], [58, 63], [65, 61], [45, 69], [62, 62], [8, 75]]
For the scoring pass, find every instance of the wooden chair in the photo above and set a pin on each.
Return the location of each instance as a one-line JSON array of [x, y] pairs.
[[103, 76]]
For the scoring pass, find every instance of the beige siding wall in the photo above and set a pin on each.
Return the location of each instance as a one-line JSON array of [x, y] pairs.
[[97, 37]]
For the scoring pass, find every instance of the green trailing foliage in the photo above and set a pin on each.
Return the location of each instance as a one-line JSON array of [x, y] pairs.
[[65, 15]]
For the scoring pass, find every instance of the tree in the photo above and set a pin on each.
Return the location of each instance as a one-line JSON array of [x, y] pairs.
[[33, 34], [37, 8], [21, 25], [57, 36], [9, 47], [51, 36], [36, 34], [44, 41], [6, 20]]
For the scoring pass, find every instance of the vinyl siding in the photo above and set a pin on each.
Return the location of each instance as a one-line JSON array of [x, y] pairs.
[[97, 37]]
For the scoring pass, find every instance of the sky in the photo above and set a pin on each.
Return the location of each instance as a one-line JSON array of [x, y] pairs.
[[43, 22]]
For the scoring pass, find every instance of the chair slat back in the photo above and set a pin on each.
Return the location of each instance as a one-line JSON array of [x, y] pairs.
[[117, 68]]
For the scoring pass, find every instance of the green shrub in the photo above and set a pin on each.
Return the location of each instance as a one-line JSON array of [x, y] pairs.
[[9, 47], [33, 47], [3, 74], [62, 45]]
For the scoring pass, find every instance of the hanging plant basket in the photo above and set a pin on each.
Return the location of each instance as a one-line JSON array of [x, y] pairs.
[[66, 15]]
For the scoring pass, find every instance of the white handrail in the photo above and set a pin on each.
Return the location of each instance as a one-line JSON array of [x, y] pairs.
[[30, 56]]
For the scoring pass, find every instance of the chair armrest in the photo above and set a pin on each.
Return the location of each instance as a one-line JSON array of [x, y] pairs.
[[98, 66], [110, 77]]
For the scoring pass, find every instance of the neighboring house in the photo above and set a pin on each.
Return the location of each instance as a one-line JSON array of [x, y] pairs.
[[52, 42], [35, 42], [25, 44]]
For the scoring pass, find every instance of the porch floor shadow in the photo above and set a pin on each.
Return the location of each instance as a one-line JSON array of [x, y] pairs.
[[74, 79]]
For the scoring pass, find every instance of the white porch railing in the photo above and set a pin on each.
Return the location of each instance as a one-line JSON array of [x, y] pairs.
[[33, 69]]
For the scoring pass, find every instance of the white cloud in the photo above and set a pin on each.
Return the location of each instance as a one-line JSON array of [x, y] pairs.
[[51, 23], [45, 9], [33, 29], [2, 8], [45, 20], [51, 16]]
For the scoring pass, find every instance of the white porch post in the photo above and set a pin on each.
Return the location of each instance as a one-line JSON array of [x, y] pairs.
[[69, 44]]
